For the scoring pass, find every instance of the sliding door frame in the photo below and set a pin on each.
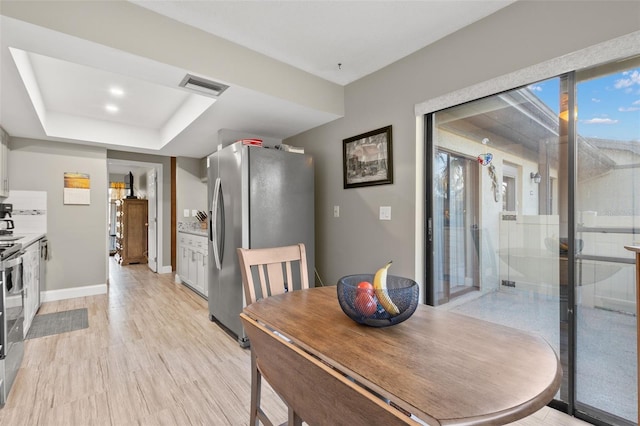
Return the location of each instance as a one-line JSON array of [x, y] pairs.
[[430, 296], [568, 351]]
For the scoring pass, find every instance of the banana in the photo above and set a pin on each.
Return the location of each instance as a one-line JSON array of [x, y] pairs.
[[380, 288]]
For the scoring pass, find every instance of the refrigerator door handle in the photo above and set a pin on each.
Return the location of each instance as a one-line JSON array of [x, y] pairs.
[[218, 249]]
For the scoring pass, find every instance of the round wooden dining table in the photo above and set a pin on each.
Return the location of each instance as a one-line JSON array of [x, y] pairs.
[[443, 368]]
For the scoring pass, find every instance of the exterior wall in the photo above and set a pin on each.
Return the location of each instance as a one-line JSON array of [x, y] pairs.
[[504, 242], [609, 285], [502, 43]]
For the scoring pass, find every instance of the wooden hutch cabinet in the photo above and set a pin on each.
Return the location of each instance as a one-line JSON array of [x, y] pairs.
[[131, 231]]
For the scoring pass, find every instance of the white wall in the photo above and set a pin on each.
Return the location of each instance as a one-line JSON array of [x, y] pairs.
[[76, 233], [521, 35]]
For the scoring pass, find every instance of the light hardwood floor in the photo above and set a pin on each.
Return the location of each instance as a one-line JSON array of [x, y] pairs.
[[151, 357]]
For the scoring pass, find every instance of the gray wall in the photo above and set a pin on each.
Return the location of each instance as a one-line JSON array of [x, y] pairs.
[[76, 233], [191, 192], [166, 194], [521, 35]]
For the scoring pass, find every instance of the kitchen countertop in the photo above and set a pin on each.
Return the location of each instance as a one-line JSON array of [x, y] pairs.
[[192, 228], [198, 232], [28, 239]]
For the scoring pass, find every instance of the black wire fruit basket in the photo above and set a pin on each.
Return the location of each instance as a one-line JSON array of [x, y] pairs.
[[377, 307]]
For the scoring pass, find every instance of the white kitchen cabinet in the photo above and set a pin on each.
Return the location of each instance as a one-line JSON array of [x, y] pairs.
[[193, 266], [183, 265], [203, 273], [4, 163], [31, 283], [192, 262]]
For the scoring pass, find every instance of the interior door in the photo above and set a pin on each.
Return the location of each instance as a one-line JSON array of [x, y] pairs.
[[152, 254]]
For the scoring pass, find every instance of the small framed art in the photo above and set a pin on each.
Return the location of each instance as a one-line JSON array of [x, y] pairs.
[[367, 159]]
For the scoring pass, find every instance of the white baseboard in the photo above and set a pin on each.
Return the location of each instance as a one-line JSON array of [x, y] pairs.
[[70, 293], [165, 270]]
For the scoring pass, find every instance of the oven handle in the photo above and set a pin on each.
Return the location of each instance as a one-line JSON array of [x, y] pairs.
[[16, 264], [11, 263]]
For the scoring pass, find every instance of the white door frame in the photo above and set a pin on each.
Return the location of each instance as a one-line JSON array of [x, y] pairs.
[[159, 196], [152, 229]]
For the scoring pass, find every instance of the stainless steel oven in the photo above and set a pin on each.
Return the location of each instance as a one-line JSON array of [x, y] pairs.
[[11, 317]]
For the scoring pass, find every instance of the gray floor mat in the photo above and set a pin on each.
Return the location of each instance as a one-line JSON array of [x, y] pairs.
[[58, 322]]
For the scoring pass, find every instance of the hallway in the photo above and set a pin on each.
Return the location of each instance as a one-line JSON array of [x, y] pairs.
[[150, 356]]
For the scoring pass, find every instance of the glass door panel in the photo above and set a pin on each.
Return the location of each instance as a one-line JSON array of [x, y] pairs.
[[456, 204], [496, 233], [607, 211], [556, 201]]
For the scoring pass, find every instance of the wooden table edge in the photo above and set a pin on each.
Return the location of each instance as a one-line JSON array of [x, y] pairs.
[[514, 413]]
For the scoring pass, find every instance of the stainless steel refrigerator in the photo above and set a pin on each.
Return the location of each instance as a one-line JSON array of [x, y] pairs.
[[258, 197]]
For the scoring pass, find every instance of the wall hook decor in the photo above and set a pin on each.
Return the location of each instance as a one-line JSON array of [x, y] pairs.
[[485, 159]]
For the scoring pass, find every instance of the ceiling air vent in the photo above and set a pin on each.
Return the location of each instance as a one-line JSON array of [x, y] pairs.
[[203, 86]]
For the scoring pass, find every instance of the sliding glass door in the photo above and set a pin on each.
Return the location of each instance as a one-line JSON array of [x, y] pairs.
[[456, 225], [514, 141], [607, 215], [531, 197]]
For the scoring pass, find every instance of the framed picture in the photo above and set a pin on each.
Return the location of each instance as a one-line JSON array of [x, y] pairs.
[[367, 159]]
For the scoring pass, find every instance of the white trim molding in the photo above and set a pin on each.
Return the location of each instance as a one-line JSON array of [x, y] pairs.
[[71, 293], [616, 49]]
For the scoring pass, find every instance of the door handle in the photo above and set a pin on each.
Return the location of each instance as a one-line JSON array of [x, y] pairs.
[[215, 238]]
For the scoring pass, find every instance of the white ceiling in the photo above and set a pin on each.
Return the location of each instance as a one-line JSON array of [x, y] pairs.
[[316, 36], [63, 85]]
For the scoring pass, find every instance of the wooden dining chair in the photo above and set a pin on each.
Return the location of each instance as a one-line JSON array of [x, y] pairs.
[[273, 267], [313, 390], [268, 272]]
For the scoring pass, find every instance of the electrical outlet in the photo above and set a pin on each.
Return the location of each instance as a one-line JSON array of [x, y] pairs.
[[185, 213], [194, 213], [336, 211], [385, 212]]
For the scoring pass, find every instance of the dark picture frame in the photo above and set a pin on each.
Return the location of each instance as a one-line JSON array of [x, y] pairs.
[[367, 159]]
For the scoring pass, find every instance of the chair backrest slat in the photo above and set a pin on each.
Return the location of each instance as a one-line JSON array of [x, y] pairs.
[[274, 270], [276, 279], [263, 279]]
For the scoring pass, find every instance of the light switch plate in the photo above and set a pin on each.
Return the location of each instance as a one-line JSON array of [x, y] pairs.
[[385, 212], [185, 213], [336, 211], [194, 213]]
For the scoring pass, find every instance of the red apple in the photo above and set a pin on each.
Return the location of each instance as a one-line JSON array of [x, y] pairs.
[[364, 287], [365, 303]]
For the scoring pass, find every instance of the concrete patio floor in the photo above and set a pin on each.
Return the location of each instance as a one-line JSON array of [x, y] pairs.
[[606, 362]]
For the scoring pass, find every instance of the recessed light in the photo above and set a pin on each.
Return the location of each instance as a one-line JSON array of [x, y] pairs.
[[111, 108], [116, 91]]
